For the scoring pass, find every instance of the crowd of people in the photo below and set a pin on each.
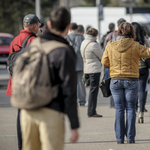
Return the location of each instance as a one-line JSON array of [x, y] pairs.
[[121, 52]]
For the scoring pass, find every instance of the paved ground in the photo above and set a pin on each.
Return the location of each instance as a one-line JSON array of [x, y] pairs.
[[95, 133]]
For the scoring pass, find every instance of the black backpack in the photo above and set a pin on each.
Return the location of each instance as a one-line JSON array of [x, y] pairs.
[[15, 54]]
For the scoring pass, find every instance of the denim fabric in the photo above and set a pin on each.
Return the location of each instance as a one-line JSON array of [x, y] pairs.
[[107, 75], [125, 95], [81, 93]]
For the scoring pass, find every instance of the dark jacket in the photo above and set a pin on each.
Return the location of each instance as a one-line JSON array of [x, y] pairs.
[[75, 39], [103, 39], [62, 71]]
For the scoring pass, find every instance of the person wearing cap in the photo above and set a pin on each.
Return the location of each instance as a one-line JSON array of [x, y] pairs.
[[75, 39], [31, 26], [44, 128]]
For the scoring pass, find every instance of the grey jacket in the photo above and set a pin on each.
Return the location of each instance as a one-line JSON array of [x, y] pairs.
[[75, 39], [93, 55]]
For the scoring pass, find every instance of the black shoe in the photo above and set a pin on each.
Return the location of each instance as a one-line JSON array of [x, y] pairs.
[[81, 105], [130, 142], [145, 110], [120, 142], [96, 116]]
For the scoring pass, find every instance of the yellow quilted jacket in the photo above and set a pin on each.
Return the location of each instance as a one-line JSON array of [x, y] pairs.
[[122, 57]]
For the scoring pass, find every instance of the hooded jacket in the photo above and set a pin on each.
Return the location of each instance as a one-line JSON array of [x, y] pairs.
[[122, 57]]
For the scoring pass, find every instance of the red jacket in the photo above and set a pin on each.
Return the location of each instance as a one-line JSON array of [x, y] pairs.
[[17, 40]]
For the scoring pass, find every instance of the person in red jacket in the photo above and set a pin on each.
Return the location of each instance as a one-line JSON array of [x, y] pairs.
[[31, 26]]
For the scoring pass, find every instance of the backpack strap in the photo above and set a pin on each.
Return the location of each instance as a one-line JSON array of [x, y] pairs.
[[84, 50], [26, 40], [47, 46], [70, 42]]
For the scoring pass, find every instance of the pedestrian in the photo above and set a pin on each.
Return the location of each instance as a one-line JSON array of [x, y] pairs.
[[122, 57], [143, 70], [80, 29], [147, 42], [31, 26], [75, 39], [43, 128], [111, 29], [92, 54], [111, 36]]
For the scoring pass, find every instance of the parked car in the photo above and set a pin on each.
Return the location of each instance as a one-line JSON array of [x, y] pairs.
[[5, 40]]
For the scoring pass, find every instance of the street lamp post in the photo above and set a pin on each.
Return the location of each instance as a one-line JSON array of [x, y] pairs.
[[129, 4], [99, 28], [38, 8]]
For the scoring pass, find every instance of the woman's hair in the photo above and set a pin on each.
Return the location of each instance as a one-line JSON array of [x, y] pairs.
[[92, 31], [127, 30], [144, 30], [139, 35]]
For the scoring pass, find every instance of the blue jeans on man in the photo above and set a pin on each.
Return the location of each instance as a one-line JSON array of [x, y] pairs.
[[125, 94]]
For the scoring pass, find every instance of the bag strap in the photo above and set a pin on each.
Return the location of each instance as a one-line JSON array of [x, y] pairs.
[[84, 51], [47, 46], [25, 40], [70, 42]]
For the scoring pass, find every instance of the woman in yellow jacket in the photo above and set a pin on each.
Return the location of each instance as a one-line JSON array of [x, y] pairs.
[[122, 57]]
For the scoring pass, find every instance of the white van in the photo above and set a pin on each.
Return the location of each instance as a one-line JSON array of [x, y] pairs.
[[89, 16]]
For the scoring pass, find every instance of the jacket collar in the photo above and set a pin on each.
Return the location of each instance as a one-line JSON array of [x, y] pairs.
[[90, 37], [51, 36]]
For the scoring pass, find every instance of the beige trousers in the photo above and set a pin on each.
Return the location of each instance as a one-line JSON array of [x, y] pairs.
[[42, 129]]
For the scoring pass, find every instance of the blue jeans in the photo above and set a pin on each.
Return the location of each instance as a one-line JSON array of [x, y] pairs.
[[125, 94]]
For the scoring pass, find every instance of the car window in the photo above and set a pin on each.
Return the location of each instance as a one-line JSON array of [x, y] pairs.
[[5, 40]]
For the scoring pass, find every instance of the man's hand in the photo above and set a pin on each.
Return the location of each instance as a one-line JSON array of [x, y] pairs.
[[74, 135]]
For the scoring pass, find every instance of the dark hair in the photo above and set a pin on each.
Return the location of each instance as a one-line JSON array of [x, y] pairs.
[[111, 26], [88, 27], [120, 21], [92, 31], [80, 28], [74, 26], [139, 36], [60, 18], [127, 30], [144, 30]]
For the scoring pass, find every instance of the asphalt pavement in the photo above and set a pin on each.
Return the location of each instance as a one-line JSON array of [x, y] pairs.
[[95, 133]]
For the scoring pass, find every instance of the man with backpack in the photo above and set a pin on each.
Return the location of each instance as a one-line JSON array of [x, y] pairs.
[[31, 27], [75, 39], [48, 87]]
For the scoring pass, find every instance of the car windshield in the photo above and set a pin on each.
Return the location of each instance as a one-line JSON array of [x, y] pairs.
[[5, 40]]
